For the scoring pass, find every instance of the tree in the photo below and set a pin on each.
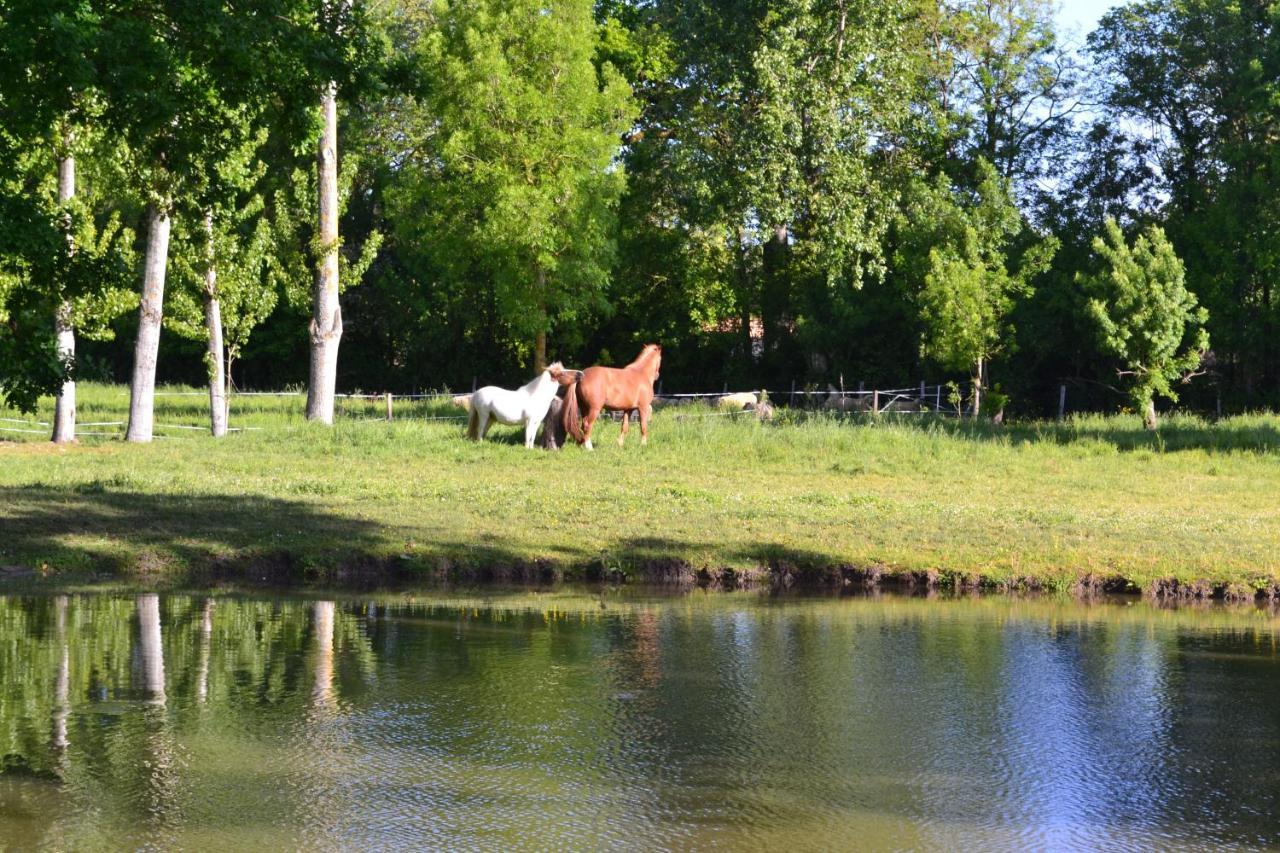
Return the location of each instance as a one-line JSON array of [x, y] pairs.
[[175, 84], [1198, 81], [1145, 315], [59, 265], [518, 180], [974, 273], [225, 290]]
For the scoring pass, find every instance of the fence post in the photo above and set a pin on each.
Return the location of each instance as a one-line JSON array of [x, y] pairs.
[[473, 385], [862, 384], [388, 399], [922, 391], [875, 402], [1062, 401], [937, 399], [1219, 404], [793, 394]]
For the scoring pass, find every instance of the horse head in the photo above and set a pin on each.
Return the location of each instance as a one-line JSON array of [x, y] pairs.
[[650, 359], [563, 375]]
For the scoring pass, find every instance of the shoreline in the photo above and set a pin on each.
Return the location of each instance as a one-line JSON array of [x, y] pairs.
[[367, 570]]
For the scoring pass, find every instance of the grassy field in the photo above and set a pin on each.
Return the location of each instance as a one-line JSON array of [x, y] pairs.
[[1048, 502]]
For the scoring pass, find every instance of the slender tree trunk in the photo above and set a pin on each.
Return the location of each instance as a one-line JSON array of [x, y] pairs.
[[540, 351], [775, 302], [744, 302], [64, 412], [977, 388], [322, 691], [540, 337], [1149, 413], [150, 646], [147, 346], [326, 317], [206, 644], [213, 322], [62, 686]]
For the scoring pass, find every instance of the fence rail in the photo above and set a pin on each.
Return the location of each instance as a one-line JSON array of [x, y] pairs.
[[924, 399]]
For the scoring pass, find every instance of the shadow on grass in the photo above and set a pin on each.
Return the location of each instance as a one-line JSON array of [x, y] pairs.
[[96, 528]]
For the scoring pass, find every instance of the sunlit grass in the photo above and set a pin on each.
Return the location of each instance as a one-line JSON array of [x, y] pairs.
[[1050, 501]]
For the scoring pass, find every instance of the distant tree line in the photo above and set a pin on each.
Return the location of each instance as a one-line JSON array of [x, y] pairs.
[[775, 190]]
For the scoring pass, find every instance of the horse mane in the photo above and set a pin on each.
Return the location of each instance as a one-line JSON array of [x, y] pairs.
[[532, 383], [646, 355]]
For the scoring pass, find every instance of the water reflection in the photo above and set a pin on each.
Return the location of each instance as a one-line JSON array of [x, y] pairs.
[[580, 721]]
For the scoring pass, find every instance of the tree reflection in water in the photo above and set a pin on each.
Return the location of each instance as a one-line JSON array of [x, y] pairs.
[[557, 719]]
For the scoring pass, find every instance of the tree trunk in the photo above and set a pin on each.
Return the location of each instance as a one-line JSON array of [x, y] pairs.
[[62, 686], [206, 646], [775, 302], [1149, 413], [147, 346], [540, 337], [540, 351], [150, 646], [213, 322], [64, 411], [977, 389], [322, 690], [744, 302], [326, 317]]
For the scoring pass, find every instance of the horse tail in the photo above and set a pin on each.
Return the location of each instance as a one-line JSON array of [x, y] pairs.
[[473, 424], [573, 414]]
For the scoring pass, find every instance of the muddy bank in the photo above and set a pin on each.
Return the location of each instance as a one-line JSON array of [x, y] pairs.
[[364, 571]]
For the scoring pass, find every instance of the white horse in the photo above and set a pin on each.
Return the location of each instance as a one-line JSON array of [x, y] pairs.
[[526, 405]]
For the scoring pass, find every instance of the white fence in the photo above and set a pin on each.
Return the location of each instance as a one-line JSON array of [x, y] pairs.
[[923, 399]]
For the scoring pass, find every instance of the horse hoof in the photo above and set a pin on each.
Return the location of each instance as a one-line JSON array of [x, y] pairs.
[[588, 446]]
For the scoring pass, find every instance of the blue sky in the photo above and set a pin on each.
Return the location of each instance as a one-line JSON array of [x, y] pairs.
[[1082, 15]]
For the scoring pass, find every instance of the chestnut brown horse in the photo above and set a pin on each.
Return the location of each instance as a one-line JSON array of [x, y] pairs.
[[615, 389]]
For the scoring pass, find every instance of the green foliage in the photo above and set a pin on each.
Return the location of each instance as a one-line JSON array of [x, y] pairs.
[[1145, 315], [517, 181], [972, 277], [1201, 78]]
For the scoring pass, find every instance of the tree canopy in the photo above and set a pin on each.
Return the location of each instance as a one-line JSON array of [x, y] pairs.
[[778, 191]]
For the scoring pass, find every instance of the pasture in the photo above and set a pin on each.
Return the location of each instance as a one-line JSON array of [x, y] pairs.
[[1042, 501]]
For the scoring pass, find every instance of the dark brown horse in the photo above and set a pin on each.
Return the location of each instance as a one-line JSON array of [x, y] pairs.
[[615, 389]]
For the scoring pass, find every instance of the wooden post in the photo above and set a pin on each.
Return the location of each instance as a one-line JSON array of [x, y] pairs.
[[875, 402], [922, 391], [937, 399], [388, 399], [1219, 404], [1062, 401], [793, 393], [862, 385], [473, 385]]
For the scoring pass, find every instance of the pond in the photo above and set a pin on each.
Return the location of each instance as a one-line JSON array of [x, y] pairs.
[[586, 719]]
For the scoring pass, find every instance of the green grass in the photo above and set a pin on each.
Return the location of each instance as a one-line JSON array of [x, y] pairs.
[[1051, 502]]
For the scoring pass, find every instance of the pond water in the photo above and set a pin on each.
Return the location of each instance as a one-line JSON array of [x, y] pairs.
[[581, 720]]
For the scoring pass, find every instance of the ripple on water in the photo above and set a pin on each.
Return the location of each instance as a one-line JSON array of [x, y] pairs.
[[753, 724]]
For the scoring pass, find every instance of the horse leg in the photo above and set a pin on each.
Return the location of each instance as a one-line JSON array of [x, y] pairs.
[[622, 436], [588, 423], [530, 430], [485, 423], [645, 413]]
